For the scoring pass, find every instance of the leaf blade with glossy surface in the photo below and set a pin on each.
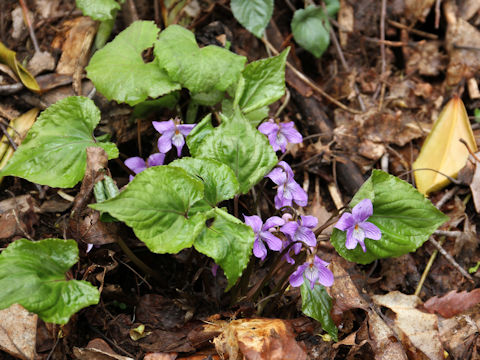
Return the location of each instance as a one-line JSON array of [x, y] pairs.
[[98, 9], [403, 215], [156, 206], [119, 72], [228, 241], [254, 15], [311, 29], [317, 304], [264, 82], [53, 153], [32, 274], [239, 145]]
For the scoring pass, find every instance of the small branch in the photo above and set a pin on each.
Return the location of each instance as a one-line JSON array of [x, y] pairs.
[[307, 81], [448, 233], [437, 13], [383, 53], [448, 195], [412, 30], [452, 261], [26, 18]]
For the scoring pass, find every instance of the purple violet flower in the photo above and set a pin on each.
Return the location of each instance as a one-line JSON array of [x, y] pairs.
[[357, 227], [214, 269], [137, 164], [301, 230], [315, 270], [288, 189], [280, 134], [172, 133], [262, 234]]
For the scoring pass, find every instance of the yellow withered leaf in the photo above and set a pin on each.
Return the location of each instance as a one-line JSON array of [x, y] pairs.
[[8, 58], [442, 150]]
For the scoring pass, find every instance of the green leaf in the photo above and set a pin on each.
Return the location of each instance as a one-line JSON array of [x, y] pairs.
[[264, 82], [219, 180], [199, 132], [199, 70], [32, 274], [403, 215], [98, 9], [156, 204], [311, 29], [119, 72], [152, 106], [228, 241], [254, 15], [317, 304], [239, 145], [476, 113], [53, 153]]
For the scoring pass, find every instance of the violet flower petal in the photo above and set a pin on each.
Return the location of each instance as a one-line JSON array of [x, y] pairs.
[[178, 140], [325, 276], [351, 242], [296, 279], [371, 230], [289, 131], [278, 176], [273, 222], [185, 128], [164, 126], [297, 193], [254, 222], [273, 242], [165, 142], [309, 221], [259, 249], [155, 159], [346, 221], [136, 164], [268, 127], [290, 229], [306, 236], [363, 210]]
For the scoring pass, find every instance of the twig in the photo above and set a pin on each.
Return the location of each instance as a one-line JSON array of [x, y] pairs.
[[26, 18], [333, 35], [382, 52], [448, 195], [427, 268], [307, 81], [412, 30], [448, 233], [449, 258], [437, 13], [469, 150], [391, 43]]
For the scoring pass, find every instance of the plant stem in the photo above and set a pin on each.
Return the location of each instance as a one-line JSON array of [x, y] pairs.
[[141, 265]]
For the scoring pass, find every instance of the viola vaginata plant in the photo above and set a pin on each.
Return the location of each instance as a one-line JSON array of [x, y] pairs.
[[193, 201]]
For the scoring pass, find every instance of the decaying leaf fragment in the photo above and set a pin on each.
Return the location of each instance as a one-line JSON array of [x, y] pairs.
[[18, 332], [453, 303], [418, 330], [442, 150], [258, 339]]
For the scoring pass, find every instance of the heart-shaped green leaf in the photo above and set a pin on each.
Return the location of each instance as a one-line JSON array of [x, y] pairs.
[[119, 72], [264, 82], [32, 274], [206, 70], [311, 29], [317, 304], [239, 145], [98, 9], [219, 180], [254, 15], [228, 241], [403, 215], [53, 153], [156, 205]]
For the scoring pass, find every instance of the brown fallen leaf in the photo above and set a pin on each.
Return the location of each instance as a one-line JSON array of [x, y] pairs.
[[18, 332], [384, 342], [17, 216], [259, 339], [453, 303], [418, 330], [344, 293], [459, 334], [97, 349], [160, 356]]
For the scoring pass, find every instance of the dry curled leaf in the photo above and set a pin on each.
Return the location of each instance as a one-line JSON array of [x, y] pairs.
[[8, 57], [452, 303], [18, 332]]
